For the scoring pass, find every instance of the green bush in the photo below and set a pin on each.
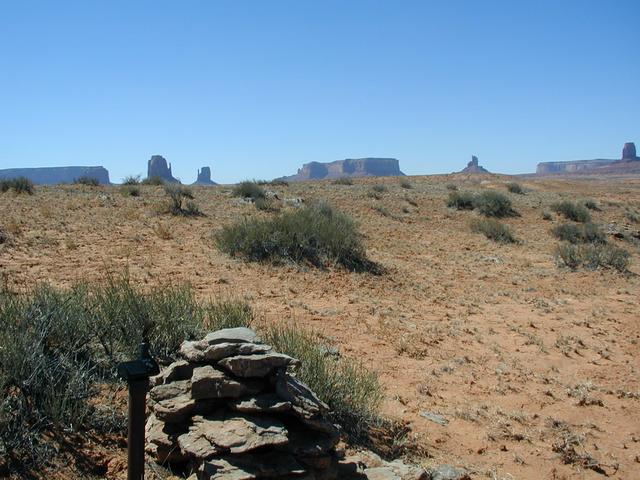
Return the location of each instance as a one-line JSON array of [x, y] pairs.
[[278, 182], [547, 215], [153, 180], [131, 180], [516, 188], [379, 188], [632, 216], [593, 256], [493, 230], [343, 181], [316, 235], [494, 204], [572, 211], [353, 392], [18, 185], [181, 200], [591, 205], [452, 187], [88, 181], [131, 190], [576, 233], [404, 183], [249, 189], [461, 200], [267, 204]]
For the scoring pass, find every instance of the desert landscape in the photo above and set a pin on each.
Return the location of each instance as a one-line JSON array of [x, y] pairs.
[[496, 358]]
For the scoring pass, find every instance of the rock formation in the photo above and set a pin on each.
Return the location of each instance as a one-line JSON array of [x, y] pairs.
[[473, 167], [158, 167], [231, 408], [204, 177], [350, 167], [599, 165], [629, 151], [54, 175]]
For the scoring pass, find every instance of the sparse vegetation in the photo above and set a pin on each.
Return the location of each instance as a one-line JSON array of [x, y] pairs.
[[494, 204], [572, 211], [405, 183], [88, 181], [343, 181], [315, 234], [249, 189], [267, 204], [547, 215], [577, 233], [493, 230], [181, 198], [18, 185], [516, 188], [593, 256], [632, 216], [130, 189], [591, 205], [279, 183], [379, 188], [452, 187], [154, 180], [131, 180], [461, 200]]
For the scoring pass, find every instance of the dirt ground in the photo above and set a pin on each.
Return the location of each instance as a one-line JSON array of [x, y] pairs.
[[534, 368]]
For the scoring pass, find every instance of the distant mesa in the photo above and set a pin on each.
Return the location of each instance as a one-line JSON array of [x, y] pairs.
[[158, 167], [204, 177], [350, 167], [473, 167], [55, 175], [626, 164]]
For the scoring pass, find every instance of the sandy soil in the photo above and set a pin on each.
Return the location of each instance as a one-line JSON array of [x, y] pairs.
[[519, 356]]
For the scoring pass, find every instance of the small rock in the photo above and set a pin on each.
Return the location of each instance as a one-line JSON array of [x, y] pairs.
[[208, 382], [259, 365], [264, 403], [174, 410], [169, 390], [434, 417], [448, 472], [200, 351], [180, 370], [232, 335]]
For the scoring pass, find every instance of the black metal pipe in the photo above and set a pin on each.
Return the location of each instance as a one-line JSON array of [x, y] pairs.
[[135, 441]]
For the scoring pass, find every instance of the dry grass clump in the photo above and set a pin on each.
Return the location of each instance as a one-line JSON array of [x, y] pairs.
[[493, 230], [404, 183], [316, 235], [516, 188], [18, 185], [131, 180], [86, 180], [343, 181], [572, 211], [181, 201], [153, 180]]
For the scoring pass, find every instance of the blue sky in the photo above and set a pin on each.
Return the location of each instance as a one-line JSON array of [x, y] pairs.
[[256, 88]]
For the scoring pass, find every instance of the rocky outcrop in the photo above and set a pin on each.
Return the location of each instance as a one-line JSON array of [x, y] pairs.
[[629, 151], [204, 177], [474, 167], [350, 167], [55, 175], [599, 165], [157, 166], [232, 408]]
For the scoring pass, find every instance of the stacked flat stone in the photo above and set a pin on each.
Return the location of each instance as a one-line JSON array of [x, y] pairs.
[[230, 409]]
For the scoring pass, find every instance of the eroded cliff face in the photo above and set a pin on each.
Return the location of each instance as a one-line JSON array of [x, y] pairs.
[[157, 166], [474, 167], [55, 175], [628, 163], [350, 167], [204, 177]]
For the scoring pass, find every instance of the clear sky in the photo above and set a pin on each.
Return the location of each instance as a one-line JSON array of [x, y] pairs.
[[255, 89]]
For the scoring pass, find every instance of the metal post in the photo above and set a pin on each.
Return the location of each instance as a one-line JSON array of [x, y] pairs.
[[137, 373], [135, 439]]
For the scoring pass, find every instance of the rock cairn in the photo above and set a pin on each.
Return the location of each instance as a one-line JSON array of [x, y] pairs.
[[231, 409]]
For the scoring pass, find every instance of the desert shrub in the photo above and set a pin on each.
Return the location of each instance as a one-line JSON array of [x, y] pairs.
[[410, 201], [452, 187], [131, 180], [267, 204], [131, 190], [379, 188], [547, 215], [181, 200], [18, 185], [516, 188], [343, 181], [632, 216], [278, 182], [315, 234], [88, 181], [4, 236], [353, 392], [493, 204], [572, 211], [404, 183], [461, 200], [576, 233], [593, 256], [591, 205], [249, 189], [493, 230], [153, 180]]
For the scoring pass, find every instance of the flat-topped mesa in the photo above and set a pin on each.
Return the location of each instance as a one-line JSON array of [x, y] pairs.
[[629, 151], [474, 167], [158, 167], [55, 175], [204, 177], [349, 167]]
